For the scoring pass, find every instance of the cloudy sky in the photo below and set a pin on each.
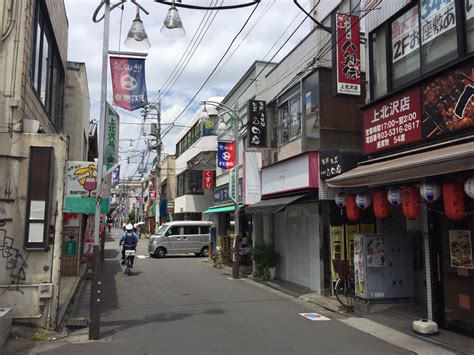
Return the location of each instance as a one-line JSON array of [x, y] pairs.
[[270, 25]]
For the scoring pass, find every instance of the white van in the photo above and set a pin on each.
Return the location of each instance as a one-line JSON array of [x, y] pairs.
[[181, 237]]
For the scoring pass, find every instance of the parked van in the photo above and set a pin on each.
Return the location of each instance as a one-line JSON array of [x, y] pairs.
[[181, 237]]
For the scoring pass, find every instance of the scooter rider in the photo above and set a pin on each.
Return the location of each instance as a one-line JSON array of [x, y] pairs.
[[129, 241]]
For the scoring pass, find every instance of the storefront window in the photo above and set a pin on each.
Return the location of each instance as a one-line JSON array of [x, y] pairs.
[[295, 117], [438, 33], [283, 124], [405, 47], [469, 7], [379, 60]]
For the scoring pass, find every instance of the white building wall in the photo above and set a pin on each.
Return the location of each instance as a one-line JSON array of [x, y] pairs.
[[77, 108]]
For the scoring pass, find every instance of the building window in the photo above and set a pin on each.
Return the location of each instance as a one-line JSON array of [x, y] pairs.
[[379, 60], [47, 69], [283, 124], [295, 117], [438, 33], [405, 47], [190, 183], [469, 10]]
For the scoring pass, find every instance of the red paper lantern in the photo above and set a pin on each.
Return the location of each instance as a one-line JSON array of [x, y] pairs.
[[352, 211], [381, 204], [411, 202], [453, 198]]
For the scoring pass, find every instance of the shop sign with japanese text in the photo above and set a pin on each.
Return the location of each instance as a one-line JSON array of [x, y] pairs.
[[207, 179], [111, 139], [334, 162], [347, 54], [437, 17], [226, 155], [128, 82], [405, 34], [221, 193], [393, 122], [257, 123]]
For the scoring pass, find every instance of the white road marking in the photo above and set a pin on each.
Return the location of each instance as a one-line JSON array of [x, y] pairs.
[[142, 256]]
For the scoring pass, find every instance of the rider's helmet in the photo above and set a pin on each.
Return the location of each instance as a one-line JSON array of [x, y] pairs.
[[129, 227]]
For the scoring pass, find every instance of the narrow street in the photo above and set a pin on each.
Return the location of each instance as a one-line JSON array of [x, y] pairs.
[[181, 305]]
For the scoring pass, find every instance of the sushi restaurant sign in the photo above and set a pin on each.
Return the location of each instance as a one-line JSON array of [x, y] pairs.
[[81, 188]]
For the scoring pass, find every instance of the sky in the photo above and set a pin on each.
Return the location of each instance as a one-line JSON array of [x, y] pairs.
[[269, 27]]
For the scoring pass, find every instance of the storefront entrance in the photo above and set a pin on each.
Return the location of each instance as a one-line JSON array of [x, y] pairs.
[[454, 281]]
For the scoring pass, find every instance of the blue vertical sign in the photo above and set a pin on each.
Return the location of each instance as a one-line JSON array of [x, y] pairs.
[[116, 176]]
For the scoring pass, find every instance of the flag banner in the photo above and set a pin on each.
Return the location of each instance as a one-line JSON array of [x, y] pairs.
[[128, 82], [111, 146], [256, 123], [226, 155], [116, 176], [207, 179]]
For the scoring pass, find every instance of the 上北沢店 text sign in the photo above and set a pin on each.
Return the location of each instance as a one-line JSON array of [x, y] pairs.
[[347, 54]]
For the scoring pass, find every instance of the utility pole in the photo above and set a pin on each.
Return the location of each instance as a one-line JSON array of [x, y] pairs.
[[157, 107]]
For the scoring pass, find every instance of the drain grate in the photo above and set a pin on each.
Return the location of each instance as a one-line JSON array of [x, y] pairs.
[[77, 323]]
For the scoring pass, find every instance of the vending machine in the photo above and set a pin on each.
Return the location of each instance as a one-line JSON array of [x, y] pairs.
[[384, 266]]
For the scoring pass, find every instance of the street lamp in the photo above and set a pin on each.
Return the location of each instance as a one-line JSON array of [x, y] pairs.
[[137, 37], [221, 128], [173, 26], [96, 296]]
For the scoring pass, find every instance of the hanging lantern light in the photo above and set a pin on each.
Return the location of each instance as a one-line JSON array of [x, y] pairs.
[[352, 211], [469, 187], [393, 196], [340, 199], [430, 191], [381, 205], [363, 200], [453, 198], [411, 202]]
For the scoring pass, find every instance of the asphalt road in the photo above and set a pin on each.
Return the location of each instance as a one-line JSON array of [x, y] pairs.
[[181, 305]]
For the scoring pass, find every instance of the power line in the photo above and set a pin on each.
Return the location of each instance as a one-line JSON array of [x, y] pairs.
[[215, 68]]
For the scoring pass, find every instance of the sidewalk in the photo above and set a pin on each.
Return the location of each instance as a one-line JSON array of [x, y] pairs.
[[389, 325]]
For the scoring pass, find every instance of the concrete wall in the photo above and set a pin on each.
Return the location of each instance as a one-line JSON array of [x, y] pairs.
[[193, 203], [22, 270], [77, 110]]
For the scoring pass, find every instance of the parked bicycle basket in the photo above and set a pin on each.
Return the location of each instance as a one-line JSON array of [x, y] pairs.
[[341, 267]]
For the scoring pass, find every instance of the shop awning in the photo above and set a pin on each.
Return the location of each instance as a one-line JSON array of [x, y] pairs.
[[217, 209], [272, 205], [429, 163]]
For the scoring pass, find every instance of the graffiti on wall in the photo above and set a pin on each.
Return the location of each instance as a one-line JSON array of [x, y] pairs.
[[16, 263]]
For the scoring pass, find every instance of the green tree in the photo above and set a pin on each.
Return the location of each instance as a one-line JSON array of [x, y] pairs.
[[131, 217]]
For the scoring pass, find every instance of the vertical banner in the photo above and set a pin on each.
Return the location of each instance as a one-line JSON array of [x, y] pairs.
[[226, 155], [257, 123], [347, 54], [111, 146], [128, 82], [252, 177], [116, 176], [207, 179], [232, 186]]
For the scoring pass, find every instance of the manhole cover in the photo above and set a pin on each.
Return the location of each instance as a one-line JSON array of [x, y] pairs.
[[77, 323]]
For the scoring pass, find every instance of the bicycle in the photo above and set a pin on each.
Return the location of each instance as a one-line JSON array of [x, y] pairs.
[[344, 288], [129, 256]]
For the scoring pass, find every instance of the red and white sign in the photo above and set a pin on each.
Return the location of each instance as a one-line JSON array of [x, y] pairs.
[[208, 179], [347, 55], [393, 122], [152, 194]]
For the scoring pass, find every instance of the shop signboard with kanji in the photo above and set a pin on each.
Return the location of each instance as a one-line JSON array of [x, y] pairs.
[[207, 179], [393, 122], [405, 34], [347, 54], [257, 123], [437, 17], [111, 147], [226, 155]]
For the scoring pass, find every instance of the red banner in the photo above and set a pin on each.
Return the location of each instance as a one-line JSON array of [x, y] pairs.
[[207, 179], [347, 54], [393, 122], [152, 194]]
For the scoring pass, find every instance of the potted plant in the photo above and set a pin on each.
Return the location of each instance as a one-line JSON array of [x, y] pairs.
[[266, 259]]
